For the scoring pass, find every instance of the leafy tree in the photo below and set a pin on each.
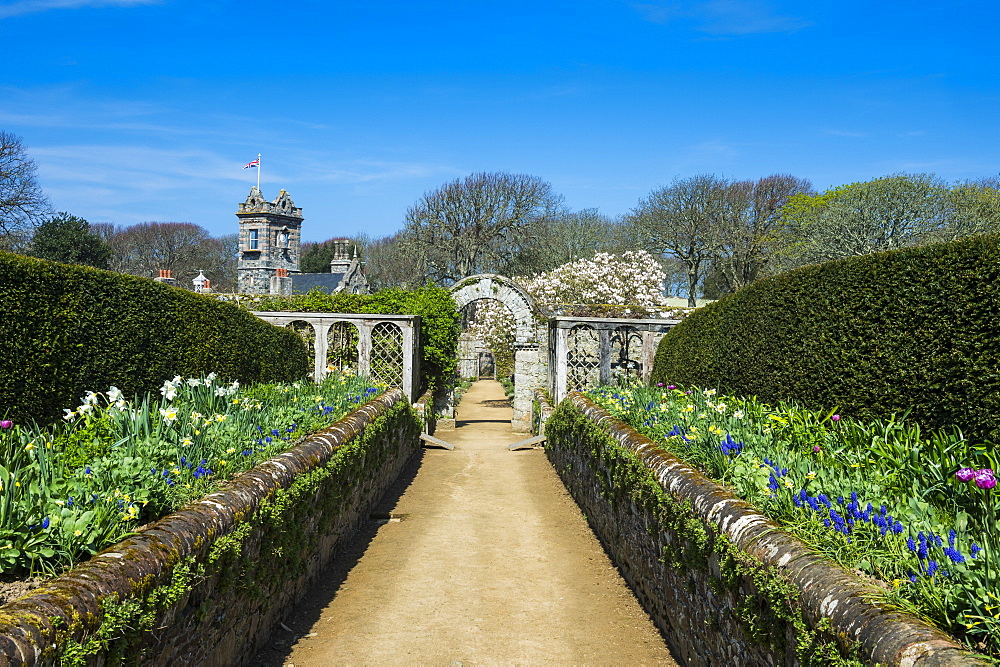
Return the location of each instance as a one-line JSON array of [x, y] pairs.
[[885, 213], [23, 205], [974, 209], [316, 257], [68, 239], [684, 220], [477, 224]]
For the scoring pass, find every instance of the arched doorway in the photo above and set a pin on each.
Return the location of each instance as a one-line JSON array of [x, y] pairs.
[[530, 366]]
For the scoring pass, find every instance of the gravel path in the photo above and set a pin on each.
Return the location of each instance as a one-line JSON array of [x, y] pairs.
[[480, 557]]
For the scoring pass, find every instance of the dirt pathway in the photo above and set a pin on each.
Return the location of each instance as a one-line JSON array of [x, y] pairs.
[[486, 560]]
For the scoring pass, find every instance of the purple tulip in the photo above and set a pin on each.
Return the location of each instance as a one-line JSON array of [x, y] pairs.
[[985, 479], [835, 418], [965, 474], [659, 384], [816, 449], [673, 386], [6, 423]]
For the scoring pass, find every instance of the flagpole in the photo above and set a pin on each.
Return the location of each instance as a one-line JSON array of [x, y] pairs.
[[258, 172]]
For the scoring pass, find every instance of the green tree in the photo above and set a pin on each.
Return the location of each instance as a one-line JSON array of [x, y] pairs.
[[884, 213], [316, 257], [68, 239]]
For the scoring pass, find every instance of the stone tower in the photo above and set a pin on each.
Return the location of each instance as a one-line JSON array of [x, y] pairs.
[[270, 239]]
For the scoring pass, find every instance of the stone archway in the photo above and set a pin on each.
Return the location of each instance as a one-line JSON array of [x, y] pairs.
[[530, 365]]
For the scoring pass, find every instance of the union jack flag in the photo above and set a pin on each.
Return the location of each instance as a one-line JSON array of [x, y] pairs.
[[255, 163]]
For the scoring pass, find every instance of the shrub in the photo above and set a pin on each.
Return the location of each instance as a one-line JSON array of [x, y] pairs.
[[439, 321], [913, 329], [69, 328]]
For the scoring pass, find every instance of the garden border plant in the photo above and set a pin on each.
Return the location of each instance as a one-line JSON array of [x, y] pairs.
[[198, 576], [70, 328], [908, 331], [684, 542]]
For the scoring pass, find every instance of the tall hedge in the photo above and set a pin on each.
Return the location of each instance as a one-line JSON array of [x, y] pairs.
[[439, 320], [915, 329], [67, 329]]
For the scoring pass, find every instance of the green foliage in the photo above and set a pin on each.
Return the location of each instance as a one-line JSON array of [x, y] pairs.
[[67, 238], [906, 331], [261, 557], [766, 601], [68, 329], [789, 462], [439, 321], [70, 489]]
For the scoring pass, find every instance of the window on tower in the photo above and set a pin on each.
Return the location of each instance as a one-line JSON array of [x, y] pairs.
[[253, 240]]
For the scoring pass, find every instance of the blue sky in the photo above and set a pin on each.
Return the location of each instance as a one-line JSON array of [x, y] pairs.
[[139, 110]]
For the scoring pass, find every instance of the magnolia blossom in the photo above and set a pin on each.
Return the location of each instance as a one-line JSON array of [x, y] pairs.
[[634, 278]]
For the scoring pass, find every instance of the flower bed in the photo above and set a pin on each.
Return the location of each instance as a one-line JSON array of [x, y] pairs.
[[71, 489], [915, 510]]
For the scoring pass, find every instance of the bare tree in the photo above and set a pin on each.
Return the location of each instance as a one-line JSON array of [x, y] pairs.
[[477, 223], [181, 247], [684, 220], [566, 238], [23, 205], [388, 263], [752, 227]]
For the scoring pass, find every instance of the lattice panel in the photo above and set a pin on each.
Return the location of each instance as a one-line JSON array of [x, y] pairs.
[[387, 354], [308, 334], [583, 361], [342, 347], [626, 354]]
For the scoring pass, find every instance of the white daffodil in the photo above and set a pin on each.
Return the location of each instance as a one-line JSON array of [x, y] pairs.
[[85, 408], [177, 380], [170, 414], [90, 398], [69, 414], [114, 394], [210, 378], [194, 382]]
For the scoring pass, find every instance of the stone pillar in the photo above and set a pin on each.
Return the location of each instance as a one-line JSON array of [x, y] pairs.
[[525, 381]]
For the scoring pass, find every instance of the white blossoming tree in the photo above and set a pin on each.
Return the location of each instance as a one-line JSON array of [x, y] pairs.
[[626, 285]]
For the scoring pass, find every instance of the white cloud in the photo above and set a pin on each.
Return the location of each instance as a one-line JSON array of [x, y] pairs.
[[10, 8], [722, 17]]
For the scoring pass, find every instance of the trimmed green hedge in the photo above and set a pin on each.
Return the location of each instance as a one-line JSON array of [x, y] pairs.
[[439, 321], [915, 329], [67, 329]]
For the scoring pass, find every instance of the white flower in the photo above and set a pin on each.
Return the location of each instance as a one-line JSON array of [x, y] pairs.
[[221, 391], [194, 382], [177, 380], [210, 378], [85, 408], [170, 414], [69, 414], [114, 394], [738, 414], [90, 398], [169, 391]]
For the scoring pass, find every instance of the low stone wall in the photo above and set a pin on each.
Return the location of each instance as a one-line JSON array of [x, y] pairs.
[[724, 584], [207, 584]]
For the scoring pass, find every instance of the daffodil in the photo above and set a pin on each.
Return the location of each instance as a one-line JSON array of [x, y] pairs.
[[170, 414]]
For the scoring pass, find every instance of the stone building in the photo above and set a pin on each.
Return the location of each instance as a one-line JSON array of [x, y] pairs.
[[270, 238], [270, 251]]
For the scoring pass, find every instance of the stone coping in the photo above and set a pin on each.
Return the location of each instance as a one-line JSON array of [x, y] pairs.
[[883, 636], [146, 559]]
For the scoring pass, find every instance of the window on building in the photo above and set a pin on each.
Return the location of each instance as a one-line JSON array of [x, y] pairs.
[[253, 240]]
